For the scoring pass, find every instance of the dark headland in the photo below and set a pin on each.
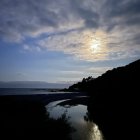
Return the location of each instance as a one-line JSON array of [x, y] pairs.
[[114, 101]]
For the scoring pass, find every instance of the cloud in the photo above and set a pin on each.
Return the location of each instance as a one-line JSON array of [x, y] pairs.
[[112, 45], [84, 72], [120, 13], [32, 17], [68, 26], [97, 71], [75, 43], [124, 42], [31, 48]]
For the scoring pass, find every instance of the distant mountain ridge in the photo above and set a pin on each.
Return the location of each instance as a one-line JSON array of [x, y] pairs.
[[32, 84]]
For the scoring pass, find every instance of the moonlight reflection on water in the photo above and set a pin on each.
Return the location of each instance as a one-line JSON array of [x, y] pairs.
[[85, 129]]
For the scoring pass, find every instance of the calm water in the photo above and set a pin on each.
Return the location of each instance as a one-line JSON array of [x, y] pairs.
[[85, 129], [24, 91]]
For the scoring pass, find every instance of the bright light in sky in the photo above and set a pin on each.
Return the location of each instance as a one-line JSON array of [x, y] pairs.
[[96, 45], [98, 42], [66, 40]]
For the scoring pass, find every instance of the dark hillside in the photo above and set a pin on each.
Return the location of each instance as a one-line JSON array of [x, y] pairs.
[[114, 101]]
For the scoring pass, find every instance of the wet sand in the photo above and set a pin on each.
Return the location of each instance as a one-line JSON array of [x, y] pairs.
[[42, 98]]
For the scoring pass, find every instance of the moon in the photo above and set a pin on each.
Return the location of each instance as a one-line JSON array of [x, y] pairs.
[[95, 45]]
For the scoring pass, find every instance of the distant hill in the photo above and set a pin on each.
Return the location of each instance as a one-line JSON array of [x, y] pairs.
[[32, 84]]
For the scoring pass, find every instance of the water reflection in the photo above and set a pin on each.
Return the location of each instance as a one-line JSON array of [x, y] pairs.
[[78, 117]]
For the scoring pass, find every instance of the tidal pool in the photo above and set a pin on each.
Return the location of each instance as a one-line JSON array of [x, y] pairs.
[[77, 115]]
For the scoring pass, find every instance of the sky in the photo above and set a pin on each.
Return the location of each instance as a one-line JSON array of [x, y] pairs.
[[66, 40]]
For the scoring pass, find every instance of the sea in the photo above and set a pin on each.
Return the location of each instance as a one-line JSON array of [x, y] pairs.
[[27, 91]]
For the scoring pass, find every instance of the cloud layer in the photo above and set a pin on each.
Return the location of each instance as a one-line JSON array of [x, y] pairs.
[[67, 26]]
